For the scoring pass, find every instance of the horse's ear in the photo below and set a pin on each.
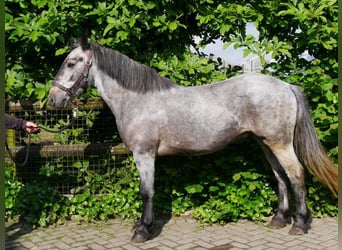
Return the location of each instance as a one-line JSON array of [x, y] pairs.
[[73, 43], [84, 42]]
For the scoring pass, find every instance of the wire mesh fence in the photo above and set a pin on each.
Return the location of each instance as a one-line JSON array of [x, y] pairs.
[[91, 142]]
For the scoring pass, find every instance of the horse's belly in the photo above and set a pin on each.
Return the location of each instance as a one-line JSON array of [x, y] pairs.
[[199, 144]]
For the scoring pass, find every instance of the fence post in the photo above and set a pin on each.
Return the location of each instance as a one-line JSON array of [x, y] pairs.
[[10, 139]]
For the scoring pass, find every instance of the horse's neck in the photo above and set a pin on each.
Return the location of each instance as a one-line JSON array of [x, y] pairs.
[[115, 96]]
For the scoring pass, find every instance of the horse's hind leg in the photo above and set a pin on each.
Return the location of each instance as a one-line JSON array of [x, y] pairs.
[[283, 215], [294, 170]]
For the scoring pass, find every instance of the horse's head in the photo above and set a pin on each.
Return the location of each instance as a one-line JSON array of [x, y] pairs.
[[72, 78]]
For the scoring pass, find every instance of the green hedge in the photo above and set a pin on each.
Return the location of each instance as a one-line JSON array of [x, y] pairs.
[[219, 188]]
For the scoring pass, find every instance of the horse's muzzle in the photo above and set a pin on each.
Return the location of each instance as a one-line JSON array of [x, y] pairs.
[[57, 99]]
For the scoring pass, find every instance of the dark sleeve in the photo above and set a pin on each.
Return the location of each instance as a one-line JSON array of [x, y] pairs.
[[12, 122]]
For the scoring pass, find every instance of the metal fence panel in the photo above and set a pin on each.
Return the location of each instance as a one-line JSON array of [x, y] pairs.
[[56, 157]]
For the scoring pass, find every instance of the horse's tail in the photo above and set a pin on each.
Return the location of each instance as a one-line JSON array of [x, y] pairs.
[[308, 148]]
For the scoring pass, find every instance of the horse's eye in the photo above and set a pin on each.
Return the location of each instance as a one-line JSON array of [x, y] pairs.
[[70, 64]]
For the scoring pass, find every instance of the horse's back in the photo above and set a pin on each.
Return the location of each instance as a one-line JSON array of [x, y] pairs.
[[251, 85]]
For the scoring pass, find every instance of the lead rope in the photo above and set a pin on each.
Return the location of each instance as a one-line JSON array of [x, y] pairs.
[[74, 116], [70, 124], [26, 156]]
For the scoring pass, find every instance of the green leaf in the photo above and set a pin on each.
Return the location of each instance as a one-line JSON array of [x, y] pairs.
[[173, 26], [61, 51], [122, 35], [195, 188], [246, 52], [34, 35], [214, 188], [236, 177], [252, 186]]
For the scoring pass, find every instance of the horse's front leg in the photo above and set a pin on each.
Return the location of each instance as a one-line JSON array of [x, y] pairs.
[[144, 227]]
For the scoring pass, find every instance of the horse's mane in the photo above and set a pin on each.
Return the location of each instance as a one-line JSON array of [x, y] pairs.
[[129, 73]]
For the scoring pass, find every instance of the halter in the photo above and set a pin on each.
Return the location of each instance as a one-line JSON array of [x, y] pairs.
[[81, 81]]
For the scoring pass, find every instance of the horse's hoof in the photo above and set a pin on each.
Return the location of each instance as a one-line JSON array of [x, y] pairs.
[[276, 224], [295, 230], [138, 238]]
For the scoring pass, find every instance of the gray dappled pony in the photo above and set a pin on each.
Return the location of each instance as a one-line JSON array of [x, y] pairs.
[[156, 117]]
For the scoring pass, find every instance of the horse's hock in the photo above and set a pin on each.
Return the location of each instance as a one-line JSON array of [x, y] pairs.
[[92, 140]]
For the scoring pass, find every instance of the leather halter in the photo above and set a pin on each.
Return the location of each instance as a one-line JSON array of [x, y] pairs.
[[81, 81]]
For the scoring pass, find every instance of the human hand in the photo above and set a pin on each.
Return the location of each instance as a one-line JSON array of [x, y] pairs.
[[31, 127]]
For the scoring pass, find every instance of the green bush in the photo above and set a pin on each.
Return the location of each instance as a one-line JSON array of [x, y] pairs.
[[247, 196], [209, 187], [37, 203]]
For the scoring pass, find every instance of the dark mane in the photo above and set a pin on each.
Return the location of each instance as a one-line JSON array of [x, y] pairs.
[[129, 73]]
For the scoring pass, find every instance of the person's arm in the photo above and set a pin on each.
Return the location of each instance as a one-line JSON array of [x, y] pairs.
[[12, 122]]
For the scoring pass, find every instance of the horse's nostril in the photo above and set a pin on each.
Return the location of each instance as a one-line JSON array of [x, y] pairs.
[[50, 101]]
